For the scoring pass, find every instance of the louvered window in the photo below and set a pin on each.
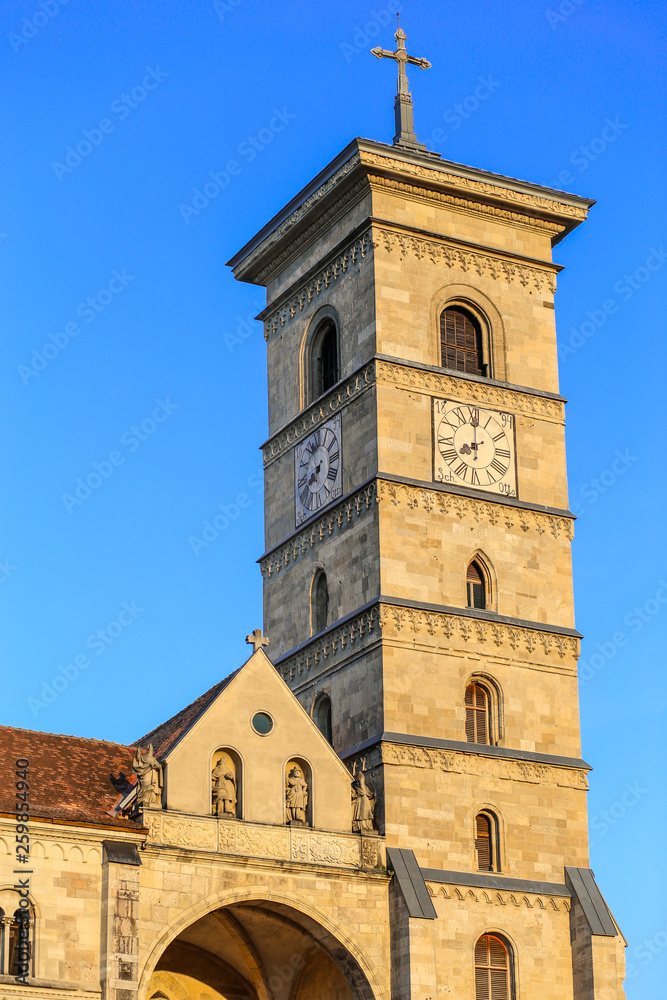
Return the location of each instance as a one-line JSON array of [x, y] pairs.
[[483, 843], [477, 714], [475, 587], [492, 969], [461, 342]]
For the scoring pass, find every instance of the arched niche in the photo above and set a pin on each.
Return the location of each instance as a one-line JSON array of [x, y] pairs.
[[487, 316], [320, 350], [226, 784], [298, 792]]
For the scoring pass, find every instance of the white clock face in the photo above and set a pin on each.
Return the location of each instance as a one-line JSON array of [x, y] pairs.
[[473, 447], [317, 470]]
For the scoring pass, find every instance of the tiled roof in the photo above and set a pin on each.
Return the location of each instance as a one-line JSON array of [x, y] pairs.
[[165, 736], [68, 776]]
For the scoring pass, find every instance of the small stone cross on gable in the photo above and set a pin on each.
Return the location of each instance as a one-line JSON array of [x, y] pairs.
[[257, 640]]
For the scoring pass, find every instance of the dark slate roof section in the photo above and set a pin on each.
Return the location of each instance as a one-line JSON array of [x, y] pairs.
[[583, 885], [68, 776], [121, 853], [165, 736], [480, 881], [411, 883], [481, 749]]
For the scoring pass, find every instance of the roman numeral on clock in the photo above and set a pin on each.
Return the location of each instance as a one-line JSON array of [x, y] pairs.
[[497, 467]]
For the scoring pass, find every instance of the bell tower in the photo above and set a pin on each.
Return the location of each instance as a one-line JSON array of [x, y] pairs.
[[417, 572]]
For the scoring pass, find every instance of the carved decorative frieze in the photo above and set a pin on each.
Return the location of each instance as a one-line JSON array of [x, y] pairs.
[[315, 415], [459, 628], [299, 212], [394, 619], [464, 507], [331, 646], [311, 289], [474, 764], [255, 840], [312, 232], [441, 384], [440, 252], [493, 896], [477, 186], [466, 204], [338, 517]]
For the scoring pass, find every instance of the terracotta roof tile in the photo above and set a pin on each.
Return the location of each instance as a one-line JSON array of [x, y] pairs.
[[68, 776], [165, 736]]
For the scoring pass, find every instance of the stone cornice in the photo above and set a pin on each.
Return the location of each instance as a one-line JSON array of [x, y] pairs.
[[313, 286], [346, 390], [441, 250], [484, 185], [391, 618], [476, 764], [438, 501], [497, 889], [313, 232], [432, 499], [352, 506], [408, 375], [481, 189], [441, 383], [464, 204]]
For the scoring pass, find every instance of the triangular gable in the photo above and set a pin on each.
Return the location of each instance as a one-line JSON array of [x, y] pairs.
[[222, 718]]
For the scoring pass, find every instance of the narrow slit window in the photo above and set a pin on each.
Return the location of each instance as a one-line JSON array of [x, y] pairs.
[[320, 602], [483, 847], [475, 587]]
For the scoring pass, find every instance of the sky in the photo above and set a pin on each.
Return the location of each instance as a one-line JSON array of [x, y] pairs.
[[132, 359]]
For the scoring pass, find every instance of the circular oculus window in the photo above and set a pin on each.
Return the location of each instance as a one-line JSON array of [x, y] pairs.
[[262, 723]]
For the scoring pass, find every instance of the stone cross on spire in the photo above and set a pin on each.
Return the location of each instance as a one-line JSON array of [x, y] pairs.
[[256, 639], [405, 132]]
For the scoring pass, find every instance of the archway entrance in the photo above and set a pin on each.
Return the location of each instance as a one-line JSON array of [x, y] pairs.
[[257, 950]]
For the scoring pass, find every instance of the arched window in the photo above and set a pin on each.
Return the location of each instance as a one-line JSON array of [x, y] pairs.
[[322, 716], [324, 369], [475, 587], [478, 728], [493, 972], [461, 342], [319, 602], [487, 847], [16, 940]]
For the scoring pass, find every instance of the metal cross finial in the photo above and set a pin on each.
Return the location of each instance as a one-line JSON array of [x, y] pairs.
[[256, 639], [405, 133]]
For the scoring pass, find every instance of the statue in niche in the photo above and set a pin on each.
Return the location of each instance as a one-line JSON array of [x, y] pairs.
[[363, 805], [296, 795], [148, 770], [224, 789]]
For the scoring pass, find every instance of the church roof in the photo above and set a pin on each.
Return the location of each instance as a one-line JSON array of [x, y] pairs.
[[165, 736], [68, 776]]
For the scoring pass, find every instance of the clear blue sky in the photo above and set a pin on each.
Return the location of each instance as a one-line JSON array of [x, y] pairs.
[[575, 100]]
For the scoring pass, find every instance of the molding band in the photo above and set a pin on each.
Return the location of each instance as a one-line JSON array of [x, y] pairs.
[[442, 251], [312, 288], [495, 882]]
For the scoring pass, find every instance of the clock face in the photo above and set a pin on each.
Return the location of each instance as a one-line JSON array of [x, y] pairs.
[[474, 447], [317, 470]]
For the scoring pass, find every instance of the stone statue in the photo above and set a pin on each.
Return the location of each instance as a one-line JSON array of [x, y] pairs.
[[148, 770], [224, 790], [296, 795], [363, 805]]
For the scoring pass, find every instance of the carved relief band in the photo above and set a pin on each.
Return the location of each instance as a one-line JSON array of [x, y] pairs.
[[346, 390], [311, 289], [255, 840], [492, 897], [474, 764], [441, 252], [464, 507], [496, 396], [337, 518]]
